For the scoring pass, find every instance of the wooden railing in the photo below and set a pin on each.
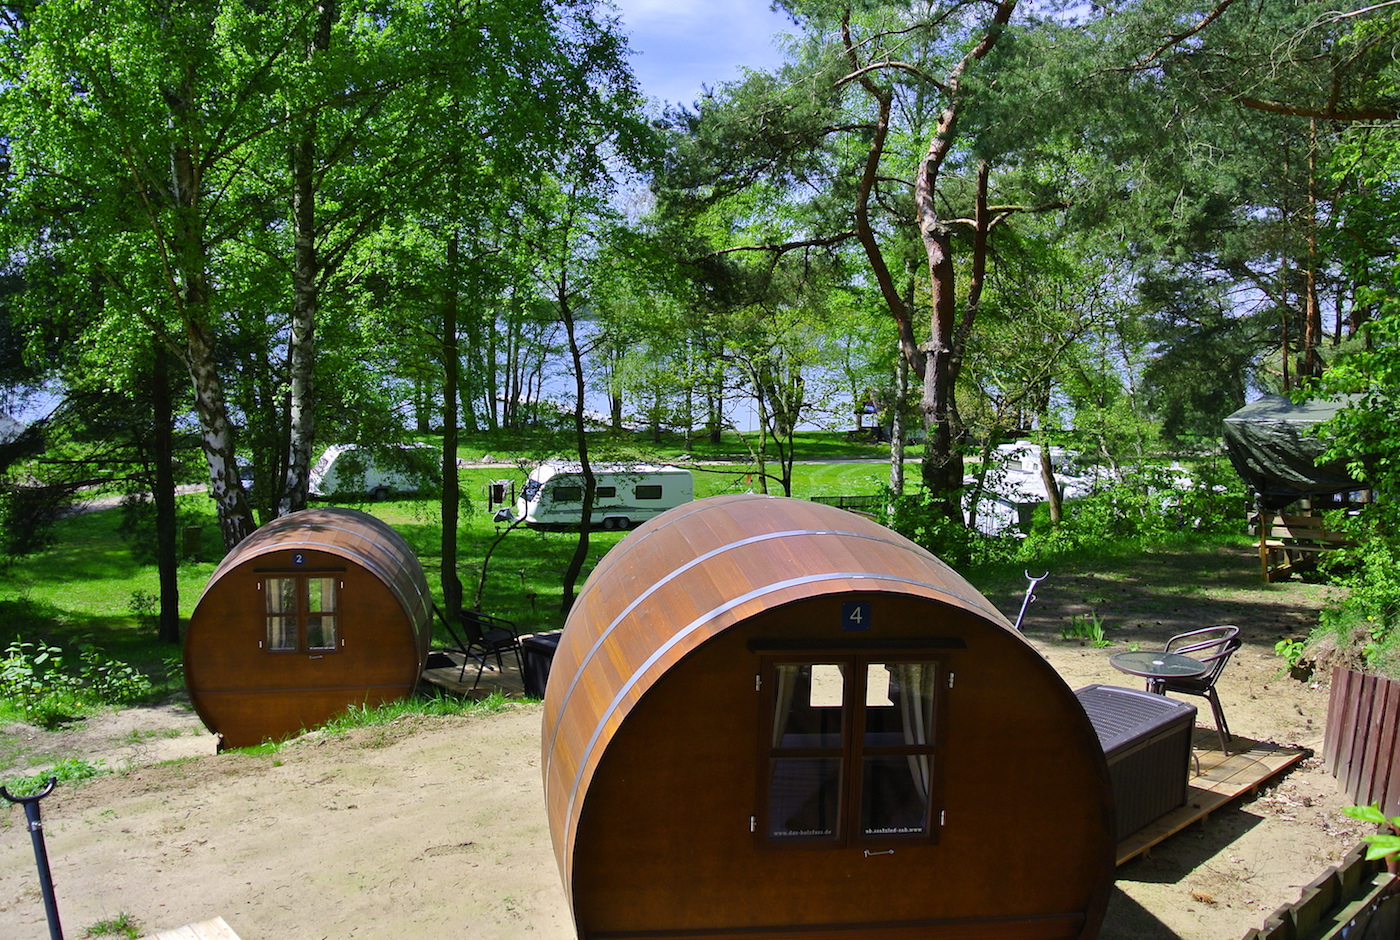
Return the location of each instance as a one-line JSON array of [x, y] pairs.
[[1362, 742]]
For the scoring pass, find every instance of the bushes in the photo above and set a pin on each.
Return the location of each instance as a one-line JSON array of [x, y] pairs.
[[1366, 435], [1149, 504], [48, 685]]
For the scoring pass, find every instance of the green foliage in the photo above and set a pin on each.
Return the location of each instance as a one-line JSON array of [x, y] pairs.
[[1291, 651], [1366, 435], [1379, 844], [51, 685], [918, 517], [67, 770]]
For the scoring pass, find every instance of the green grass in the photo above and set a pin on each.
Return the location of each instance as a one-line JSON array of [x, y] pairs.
[[85, 585]]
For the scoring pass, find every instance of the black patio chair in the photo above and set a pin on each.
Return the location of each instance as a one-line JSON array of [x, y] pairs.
[[483, 637], [1213, 646]]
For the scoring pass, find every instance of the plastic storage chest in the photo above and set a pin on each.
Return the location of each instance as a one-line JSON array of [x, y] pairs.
[[1147, 741]]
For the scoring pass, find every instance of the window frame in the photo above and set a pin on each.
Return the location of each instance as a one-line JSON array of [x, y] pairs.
[[301, 581], [852, 749], [649, 491]]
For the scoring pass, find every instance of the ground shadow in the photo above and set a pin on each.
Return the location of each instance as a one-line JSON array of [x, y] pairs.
[[1148, 599], [1128, 920], [1171, 861]]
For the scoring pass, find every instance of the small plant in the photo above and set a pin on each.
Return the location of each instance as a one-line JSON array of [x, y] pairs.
[[123, 925], [1086, 627], [1380, 844], [144, 606], [1293, 653]]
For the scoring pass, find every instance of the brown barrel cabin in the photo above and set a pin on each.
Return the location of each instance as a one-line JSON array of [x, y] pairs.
[[314, 612], [772, 718]]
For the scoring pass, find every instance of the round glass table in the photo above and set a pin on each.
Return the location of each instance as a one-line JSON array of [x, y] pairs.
[[1155, 665]]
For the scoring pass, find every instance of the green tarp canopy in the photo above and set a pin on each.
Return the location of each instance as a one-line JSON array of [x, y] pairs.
[[1274, 447]]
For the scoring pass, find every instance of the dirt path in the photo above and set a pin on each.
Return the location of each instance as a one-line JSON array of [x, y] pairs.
[[435, 827]]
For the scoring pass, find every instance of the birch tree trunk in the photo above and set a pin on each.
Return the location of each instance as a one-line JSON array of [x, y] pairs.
[[191, 289]]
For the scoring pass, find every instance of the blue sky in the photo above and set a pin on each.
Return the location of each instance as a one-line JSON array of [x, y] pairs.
[[682, 45]]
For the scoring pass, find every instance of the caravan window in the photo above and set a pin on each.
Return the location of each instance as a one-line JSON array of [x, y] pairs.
[[568, 494], [850, 750], [649, 491], [607, 492]]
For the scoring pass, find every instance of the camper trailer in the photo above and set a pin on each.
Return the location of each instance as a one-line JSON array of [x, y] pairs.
[[627, 494], [349, 470]]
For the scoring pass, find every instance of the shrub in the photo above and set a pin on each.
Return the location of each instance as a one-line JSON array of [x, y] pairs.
[[51, 685]]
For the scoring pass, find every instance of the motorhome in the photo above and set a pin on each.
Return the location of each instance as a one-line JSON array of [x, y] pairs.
[[348, 470], [626, 495]]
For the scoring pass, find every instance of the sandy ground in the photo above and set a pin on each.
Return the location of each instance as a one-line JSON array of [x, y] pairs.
[[434, 827]]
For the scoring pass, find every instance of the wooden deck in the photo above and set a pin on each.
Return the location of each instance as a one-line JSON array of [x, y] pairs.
[[1216, 781], [508, 682], [214, 929]]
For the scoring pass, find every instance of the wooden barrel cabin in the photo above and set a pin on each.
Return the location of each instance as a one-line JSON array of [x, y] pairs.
[[314, 612], [772, 718]]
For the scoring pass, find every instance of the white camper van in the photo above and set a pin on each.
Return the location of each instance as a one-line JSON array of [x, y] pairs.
[[348, 470], [627, 494]]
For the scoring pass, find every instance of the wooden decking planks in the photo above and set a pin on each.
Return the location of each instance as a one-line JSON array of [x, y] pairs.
[[507, 681], [214, 929], [1217, 780]]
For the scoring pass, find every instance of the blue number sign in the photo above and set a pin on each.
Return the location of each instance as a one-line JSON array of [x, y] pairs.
[[855, 615], [298, 558]]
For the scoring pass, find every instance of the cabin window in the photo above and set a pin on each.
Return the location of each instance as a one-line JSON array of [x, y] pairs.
[[851, 750], [607, 492], [301, 614], [568, 494], [648, 491]]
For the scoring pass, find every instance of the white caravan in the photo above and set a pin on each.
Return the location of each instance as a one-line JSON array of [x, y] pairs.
[[350, 471], [627, 494]]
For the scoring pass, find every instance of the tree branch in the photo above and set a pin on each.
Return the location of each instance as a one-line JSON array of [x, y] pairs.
[[783, 247], [1187, 34], [1328, 113]]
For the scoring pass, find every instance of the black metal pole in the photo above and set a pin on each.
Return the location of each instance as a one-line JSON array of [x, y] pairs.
[[41, 853]]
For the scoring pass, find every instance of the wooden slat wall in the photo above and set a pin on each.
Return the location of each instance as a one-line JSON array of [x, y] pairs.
[[1362, 742]]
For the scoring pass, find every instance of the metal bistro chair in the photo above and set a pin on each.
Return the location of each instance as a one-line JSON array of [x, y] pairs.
[[1213, 646], [486, 636]]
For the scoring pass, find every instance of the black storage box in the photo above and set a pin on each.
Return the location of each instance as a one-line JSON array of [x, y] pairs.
[[1147, 741], [539, 656]]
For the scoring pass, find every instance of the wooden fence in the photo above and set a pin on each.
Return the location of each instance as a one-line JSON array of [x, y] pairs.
[[1353, 899], [1363, 738]]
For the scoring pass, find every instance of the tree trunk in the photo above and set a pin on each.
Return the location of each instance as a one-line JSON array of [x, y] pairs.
[[301, 345], [901, 398], [306, 273], [451, 486], [235, 516], [163, 492], [590, 482], [1052, 485], [190, 290]]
